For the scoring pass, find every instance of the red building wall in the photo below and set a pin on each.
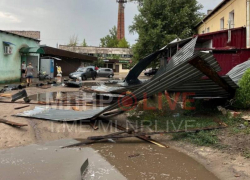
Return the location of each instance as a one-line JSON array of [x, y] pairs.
[[227, 54]]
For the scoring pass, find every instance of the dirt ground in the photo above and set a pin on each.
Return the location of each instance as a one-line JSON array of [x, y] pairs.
[[179, 162]]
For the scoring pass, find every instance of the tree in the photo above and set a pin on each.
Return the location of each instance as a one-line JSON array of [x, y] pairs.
[[73, 40], [123, 43], [84, 44], [161, 21], [242, 96], [99, 63], [110, 40]]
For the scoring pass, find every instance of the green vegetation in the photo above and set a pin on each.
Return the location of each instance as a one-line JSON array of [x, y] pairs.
[[73, 40], [84, 43], [111, 41], [99, 63], [159, 22], [205, 115], [123, 43], [242, 97], [246, 153]]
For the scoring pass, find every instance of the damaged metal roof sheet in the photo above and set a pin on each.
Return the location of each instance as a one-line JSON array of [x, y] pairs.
[[59, 114], [238, 71], [178, 71], [207, 88]]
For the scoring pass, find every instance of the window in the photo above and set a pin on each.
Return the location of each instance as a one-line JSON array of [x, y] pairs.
[[222, 23], [203, 32], [208, 30], [7, 50], [124, 66], [107, 69], [110, 66], [231, 19]]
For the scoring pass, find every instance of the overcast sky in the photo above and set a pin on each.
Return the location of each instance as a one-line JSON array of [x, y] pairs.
[[59, 19]]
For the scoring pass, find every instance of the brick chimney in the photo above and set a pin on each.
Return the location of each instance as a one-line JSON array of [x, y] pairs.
[[121, 21]]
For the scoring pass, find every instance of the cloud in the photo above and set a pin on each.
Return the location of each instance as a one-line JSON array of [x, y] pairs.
[[7, 17]]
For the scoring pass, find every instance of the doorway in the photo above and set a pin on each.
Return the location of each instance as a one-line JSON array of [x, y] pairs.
[[34, 61], [117, 68]]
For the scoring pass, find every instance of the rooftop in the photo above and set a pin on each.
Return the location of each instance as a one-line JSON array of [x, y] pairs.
[[6, 32]]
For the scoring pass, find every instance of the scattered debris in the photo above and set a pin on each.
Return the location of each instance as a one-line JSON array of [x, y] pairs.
[[145, 134], [6, 95], [73, 84], [84, 168], [20, 95], [133, 155], [75, 108], [22, 107], [14, 124], [246, 118], [242, 126], [59, 115], [93, 125], [11, 87]]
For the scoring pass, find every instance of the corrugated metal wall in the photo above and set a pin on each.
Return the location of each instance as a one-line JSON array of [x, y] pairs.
[[220, 38], [227, 59]]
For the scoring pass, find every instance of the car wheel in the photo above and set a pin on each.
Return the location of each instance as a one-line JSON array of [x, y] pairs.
[[110, 76], [84, 77], [93, 77]]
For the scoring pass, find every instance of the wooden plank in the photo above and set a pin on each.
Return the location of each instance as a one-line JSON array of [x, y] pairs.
[[14, 124], [22, 107], [6, 95]]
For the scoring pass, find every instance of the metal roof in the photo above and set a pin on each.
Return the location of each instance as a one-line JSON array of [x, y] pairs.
[[6, 32], [54, 52]]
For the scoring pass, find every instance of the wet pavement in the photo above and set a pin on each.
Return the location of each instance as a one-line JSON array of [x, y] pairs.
[[51, 162]]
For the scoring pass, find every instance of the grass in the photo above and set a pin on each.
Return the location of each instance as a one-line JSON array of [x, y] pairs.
[[166, 120], [246, 153]]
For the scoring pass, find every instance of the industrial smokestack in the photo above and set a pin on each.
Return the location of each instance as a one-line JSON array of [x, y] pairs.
[[121, 20]]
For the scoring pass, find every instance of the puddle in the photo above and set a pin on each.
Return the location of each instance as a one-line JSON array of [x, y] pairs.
[[136, 159], [50, 162]]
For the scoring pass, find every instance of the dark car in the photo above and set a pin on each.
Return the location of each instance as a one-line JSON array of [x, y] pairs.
[[151, 72], [105, 72], [84, 73]]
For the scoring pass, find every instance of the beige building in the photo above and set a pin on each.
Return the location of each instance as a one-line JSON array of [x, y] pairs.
[[228, 14], [117, 59]]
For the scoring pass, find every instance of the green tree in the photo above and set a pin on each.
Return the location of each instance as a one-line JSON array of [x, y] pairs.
[[110, 40], [123, 43], [99, 63], [242, 97], [84, 44], [161, 21], [73, 40]]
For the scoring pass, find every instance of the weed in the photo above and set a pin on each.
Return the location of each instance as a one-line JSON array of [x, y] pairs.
[[246, 153]]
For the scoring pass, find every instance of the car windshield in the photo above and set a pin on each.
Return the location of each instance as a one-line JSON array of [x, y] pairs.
[[81, 70]]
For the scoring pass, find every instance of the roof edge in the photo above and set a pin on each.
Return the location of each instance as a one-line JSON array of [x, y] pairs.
[[6, 32], [212, 13]]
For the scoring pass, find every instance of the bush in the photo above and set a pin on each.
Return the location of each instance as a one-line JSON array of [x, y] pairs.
[[242, 96]]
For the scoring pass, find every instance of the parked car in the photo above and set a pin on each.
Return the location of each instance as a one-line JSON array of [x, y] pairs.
[[84, 73], [150, 72], [105, 72]]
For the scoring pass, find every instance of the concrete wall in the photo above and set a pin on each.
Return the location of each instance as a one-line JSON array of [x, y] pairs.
[[213, 23], [10, 65], [122, 70], [97, 50], [120, 67]]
